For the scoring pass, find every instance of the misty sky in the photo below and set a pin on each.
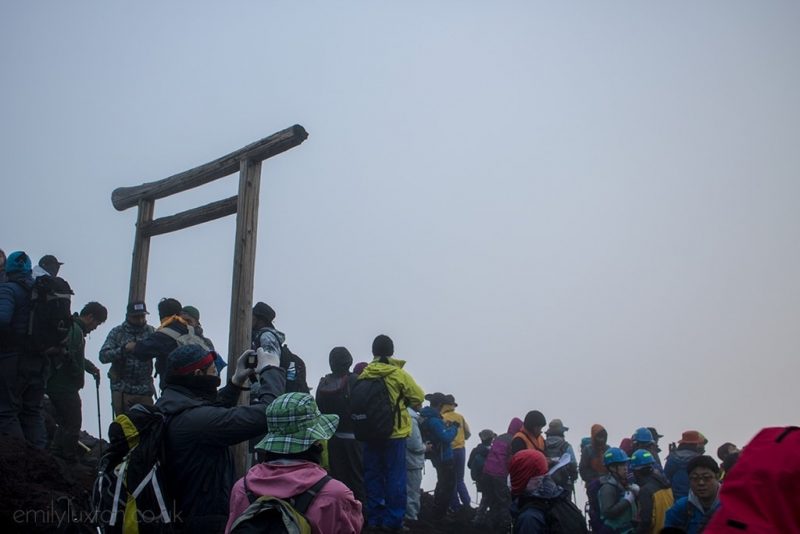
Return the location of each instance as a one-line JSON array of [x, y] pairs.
[[589, 209]]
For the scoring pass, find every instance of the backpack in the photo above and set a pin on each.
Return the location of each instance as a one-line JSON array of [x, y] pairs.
[[295, 371], [129, 494], [554, 450], [51, 318], [333, 395], [268, 515], [761, 492], [561, 514], [189, 338], [434, 452], [477, 459], [371, 410]]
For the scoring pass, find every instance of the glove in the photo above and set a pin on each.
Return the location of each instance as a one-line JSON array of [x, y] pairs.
[[629, 497], [96, 375], [634, 488], [242, 371], [265, 359]]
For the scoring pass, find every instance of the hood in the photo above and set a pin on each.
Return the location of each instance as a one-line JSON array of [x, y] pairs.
[[283, 478], [38, 271], [683, 456], [694, 501], [447, 408], [553, 441], [596, 429], [277, 333], [514, 426], [176, 398], [543, 487], [378, 369], [429, 412]]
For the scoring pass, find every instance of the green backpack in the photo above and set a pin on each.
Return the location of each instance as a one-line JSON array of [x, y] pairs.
[[267, 514]]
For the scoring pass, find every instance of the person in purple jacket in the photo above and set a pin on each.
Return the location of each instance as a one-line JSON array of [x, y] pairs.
[[495, 472]]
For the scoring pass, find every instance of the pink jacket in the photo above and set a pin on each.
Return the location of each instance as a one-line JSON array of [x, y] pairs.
[[333, 511]]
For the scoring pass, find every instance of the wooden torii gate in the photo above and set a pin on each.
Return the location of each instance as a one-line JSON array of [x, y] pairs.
[[247, 161]]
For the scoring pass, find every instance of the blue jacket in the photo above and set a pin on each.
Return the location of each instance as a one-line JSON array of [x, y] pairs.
[[687, 513], [441, 436], [15, 309], [676, 471]]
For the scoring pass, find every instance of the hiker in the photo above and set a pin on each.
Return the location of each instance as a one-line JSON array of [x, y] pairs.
[[266, 336], [728, 454], [530, 435], [131, 378], [691, 445], [655, 494], [292, 451], [415, 463], [495, 473], [22, 371], [692, 512], [476, 463], [643, 439], [440, 434], [654, 449], [191, 315], [540, 505], [555, 447], [48, 266], [333, 397], [616, 499], [591, 465], [202, 425], [66, 380], [461, 494], [173, 332], [385, 459]]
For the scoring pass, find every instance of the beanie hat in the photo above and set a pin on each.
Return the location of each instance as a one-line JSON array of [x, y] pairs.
[[192, 312], [264, 311], [525, 465], [382, 346], [534, 418], [18, 262], [188, 358], [340, 359]]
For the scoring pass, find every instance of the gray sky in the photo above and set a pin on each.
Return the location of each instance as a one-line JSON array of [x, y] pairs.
[[589, 209]]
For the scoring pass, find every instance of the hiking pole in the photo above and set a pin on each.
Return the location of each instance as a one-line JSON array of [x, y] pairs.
[[99, 423]]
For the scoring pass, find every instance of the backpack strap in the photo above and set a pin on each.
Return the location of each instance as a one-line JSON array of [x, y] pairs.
[[252, 497], [304, 500]]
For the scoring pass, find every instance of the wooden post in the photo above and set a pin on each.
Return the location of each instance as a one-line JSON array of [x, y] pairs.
[[244, 263], [141, 251]]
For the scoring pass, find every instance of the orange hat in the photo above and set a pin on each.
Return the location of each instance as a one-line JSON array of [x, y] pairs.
[[693, 437]]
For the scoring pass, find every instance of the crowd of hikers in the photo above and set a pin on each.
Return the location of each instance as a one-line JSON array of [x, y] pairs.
[[350, 458]]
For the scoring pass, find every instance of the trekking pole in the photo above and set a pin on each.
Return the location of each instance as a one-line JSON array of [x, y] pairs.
[[99, 423]]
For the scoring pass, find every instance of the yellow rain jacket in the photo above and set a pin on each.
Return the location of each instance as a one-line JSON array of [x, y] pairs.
[[400, 385], [463, 434]]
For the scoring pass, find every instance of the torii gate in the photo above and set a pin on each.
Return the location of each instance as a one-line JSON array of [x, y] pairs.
[[247, 161]]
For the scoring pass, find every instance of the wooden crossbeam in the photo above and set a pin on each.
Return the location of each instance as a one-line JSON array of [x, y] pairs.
[[192, 217]]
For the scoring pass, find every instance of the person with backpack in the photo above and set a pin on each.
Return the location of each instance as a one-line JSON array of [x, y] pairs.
[[691, 445], [202, 424], [540, 506], [475, 464], [692, 512], [415, 464], [191, 315], [440, 435], [272, 340], [66, 380], [461, 494], [290, 479], [530, 435], [495, 475], [131, 378], [655, 494], [333, 396], [591, 466], [557, 446], [23, 371], [379, 400], [615, 497]]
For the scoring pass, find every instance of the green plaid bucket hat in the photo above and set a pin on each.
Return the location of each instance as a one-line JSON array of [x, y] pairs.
[[294, 423]]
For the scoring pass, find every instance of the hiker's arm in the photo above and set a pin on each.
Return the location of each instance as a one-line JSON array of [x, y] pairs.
[[272, 383], [90, 368], [611, 506], [147, 348], [111, 349]]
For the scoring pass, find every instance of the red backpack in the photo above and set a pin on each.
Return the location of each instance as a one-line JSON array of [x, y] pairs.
[[761, 493]]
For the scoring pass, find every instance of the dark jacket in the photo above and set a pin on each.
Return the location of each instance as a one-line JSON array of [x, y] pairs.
[[272, 341], [15, 309], [650, 484], [200, 472], [441, 436], [68, 370], [127, 373], [676, 470], [529, 518], [159, 344]]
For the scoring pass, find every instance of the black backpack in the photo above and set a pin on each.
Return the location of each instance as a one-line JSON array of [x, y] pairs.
[[333, 395], [51, 317], [372, 411], [561, 514], [130, 485], [477, 459], [271, 515]]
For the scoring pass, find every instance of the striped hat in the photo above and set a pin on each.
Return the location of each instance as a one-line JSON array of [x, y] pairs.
[[294, 423]]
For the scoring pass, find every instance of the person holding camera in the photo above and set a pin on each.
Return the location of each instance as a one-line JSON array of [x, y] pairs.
[[440, 433]]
